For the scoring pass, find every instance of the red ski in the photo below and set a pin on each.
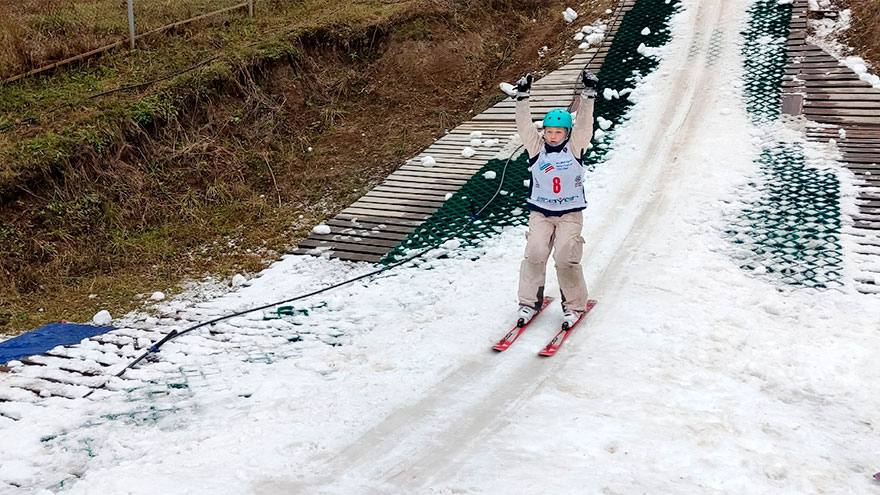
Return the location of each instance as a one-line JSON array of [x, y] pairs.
[[559, 339], [517, 330]]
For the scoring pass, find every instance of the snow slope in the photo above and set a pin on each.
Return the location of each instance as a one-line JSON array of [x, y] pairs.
[[690, 376]]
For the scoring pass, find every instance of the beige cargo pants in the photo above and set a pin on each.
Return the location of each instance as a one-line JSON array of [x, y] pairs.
[[562, 235]]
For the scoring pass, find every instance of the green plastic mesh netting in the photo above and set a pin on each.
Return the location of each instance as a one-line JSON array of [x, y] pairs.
[[622, 68], [791, 232]]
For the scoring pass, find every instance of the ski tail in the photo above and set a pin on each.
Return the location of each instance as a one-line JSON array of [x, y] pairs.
[[562, 335]]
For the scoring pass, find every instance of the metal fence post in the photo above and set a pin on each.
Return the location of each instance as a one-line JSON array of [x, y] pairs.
[[131, 32], [250, 8]]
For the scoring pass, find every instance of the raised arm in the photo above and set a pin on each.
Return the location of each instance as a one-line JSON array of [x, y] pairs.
[[583, 126], [530, 136], [582, 131]]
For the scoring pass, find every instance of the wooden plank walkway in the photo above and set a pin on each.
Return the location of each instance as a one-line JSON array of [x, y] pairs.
[[847, 110], [377, 222]]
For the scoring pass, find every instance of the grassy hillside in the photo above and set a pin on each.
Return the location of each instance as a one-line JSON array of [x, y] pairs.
[[200, 165], [34, 33]]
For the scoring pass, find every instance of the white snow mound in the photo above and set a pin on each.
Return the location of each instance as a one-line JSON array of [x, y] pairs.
[[451, 244], [321, 229], [102, 318]]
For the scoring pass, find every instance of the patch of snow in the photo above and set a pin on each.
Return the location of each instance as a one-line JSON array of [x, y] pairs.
[[489, 175], [475, 134], [451, 244], [595, 38], [238, 280], [610, 94], [648, 51], [428, 161], [321, 229], [468, 152], [157, 296], [860, 67], [646, 31], [102, 318], [569, 15]]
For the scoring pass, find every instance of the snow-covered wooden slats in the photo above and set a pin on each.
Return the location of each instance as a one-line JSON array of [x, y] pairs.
[[826, 91]]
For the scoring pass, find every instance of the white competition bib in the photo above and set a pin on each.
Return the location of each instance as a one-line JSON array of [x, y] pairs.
[[557, 181]]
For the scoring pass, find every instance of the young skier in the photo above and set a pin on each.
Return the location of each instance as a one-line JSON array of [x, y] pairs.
[[556, 200]]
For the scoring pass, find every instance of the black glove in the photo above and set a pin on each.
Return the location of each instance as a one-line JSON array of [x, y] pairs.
[[591, 83], [523, 86]]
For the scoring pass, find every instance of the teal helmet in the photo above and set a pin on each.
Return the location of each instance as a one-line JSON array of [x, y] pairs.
[[558, 118]]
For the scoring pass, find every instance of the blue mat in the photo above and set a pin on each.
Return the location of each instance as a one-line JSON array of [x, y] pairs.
[[46, 337]]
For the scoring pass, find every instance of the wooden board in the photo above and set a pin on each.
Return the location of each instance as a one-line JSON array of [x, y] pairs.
[[411, 193], [834, 94]]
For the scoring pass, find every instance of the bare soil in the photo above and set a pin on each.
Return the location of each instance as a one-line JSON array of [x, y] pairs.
[[864, 35]]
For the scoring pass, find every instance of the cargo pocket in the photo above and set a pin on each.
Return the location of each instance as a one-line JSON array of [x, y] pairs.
[[576, 253]]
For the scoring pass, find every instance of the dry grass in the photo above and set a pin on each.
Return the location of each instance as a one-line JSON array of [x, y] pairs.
[[864, 35], [34, 33]]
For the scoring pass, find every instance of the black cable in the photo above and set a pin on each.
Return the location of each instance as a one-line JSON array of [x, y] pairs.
[[174, 333]]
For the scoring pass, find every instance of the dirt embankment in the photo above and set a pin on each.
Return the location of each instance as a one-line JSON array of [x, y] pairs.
[[864, 35], [244, 168]]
